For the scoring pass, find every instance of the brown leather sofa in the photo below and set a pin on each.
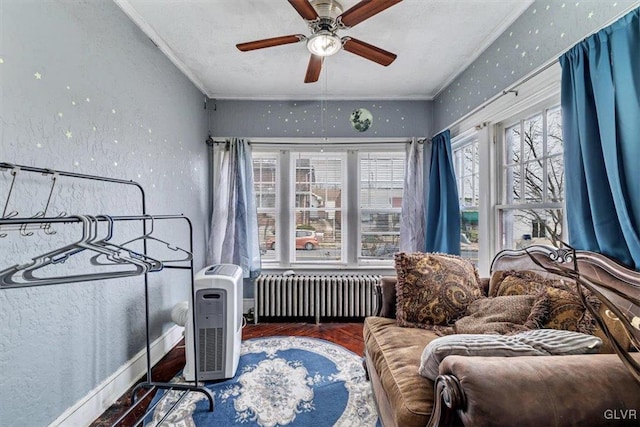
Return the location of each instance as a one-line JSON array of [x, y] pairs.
[[578, 390]]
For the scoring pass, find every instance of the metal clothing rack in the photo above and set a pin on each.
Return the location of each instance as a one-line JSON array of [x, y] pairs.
[[12, 221]]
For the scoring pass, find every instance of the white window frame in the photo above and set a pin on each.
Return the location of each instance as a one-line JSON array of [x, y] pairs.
[[458, 144], [275, 210], [350, 207], [359, 155], [535, 92], [502, 204], [292, 196]]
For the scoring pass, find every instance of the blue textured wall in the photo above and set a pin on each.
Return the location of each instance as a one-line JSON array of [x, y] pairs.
[[83, 90], [543, 32], [315, 119]]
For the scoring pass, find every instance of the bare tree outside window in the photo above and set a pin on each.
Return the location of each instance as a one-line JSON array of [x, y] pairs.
[[534, 177]]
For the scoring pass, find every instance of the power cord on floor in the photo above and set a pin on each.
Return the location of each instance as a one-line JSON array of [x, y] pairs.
[[248, 317]]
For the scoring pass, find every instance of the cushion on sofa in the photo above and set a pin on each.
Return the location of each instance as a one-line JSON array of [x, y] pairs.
[[537, 342], [499, 315], [558, 306], [563, 309], [388, 289], [517, 282], [394, 353], [434, 290], [513, 282]]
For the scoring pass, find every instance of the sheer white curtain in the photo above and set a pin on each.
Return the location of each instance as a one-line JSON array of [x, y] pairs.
[[412, 218], [233, 238]]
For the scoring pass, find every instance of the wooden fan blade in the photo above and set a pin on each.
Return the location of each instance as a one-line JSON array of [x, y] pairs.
[[365, 10], [304, 8], [274, 41], [313, 69], [368, 51]]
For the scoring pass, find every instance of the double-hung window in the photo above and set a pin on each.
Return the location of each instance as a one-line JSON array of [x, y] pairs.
[[532, 176], [265, 174], [380, 194], [467, 167], [509, 164], [319, 180], [336, 206]]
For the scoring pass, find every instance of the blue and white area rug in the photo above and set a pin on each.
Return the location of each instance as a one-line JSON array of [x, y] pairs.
[[282, 381]]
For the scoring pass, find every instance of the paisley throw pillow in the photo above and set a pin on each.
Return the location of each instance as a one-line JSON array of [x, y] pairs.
[[513, 282], [563, 309], [433, 290]]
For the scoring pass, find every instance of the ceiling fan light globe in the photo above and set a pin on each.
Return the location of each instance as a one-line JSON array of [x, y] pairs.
[[324, 44]]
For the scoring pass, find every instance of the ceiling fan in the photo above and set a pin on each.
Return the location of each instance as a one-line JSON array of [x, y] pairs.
[[325, 18]]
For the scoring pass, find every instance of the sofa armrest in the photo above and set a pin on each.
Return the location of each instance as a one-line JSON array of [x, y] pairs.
[[583, 390], [386, 296]]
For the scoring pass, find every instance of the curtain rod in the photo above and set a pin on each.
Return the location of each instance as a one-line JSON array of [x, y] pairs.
[[328, 141], [508, 90]]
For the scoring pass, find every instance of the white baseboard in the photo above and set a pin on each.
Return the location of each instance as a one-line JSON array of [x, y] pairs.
[[98, 400]]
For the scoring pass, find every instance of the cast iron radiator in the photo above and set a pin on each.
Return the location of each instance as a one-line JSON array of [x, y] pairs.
[[318, 296]]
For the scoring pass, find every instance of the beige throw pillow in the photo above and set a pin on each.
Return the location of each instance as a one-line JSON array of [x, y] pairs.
[[499, 315]]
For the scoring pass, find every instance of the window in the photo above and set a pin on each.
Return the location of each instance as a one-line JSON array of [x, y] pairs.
[[319, 182], [333, 207], [467, 166], [265, 170], [381, 187], [538, 228], [533, 181]]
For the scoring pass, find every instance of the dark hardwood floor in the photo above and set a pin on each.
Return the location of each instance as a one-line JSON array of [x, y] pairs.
[[348, 335]]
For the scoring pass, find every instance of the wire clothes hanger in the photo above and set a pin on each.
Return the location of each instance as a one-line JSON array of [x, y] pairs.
[[65, 256], [23, 274], [114, 251], [187, 256], [51, 256], [129, 254], [120, 255]]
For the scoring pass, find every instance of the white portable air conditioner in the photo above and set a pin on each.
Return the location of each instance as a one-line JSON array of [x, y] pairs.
[[218, 324]]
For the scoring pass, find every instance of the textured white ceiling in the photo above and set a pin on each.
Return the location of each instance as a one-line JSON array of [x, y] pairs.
[[435, 40]]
